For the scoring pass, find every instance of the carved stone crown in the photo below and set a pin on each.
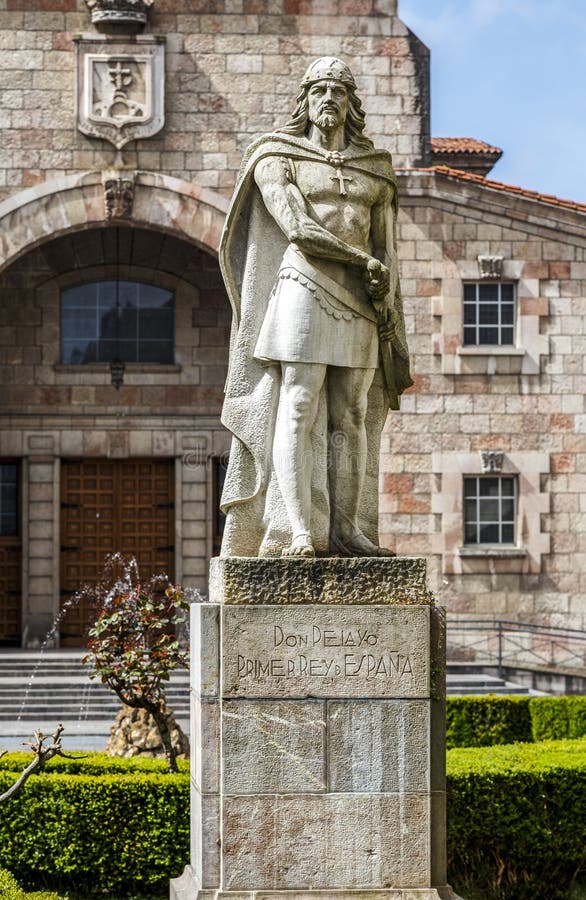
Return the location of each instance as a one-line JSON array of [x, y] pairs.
[[328, 67], [125, 13]]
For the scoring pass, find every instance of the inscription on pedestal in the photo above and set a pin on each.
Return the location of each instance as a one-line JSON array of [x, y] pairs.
[[325, 651]]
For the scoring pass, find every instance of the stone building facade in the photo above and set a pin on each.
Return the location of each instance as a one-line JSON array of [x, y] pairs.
[[94, 200]]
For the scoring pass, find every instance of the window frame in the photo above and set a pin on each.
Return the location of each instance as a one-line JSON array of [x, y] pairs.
[[531, 343], [169, 344], [478, 303], [481, 500], [532, 508]]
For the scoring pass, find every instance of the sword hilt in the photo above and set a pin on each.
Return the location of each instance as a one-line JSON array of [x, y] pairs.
[[374, 268]]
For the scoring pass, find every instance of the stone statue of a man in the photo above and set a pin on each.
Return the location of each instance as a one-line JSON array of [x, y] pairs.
[[318, 349]]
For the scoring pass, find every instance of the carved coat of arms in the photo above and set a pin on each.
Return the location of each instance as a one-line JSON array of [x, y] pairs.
[[120, 91]]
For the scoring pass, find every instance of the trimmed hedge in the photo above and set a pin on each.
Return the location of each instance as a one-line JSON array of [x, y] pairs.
[[516, 824], [92, 764], [11, 890], [485, 721], [516, 827], [123, 829], [556, 718]]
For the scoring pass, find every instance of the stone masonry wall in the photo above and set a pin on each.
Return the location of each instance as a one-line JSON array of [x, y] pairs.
[[30, 373], [230, 69], [536, 417]]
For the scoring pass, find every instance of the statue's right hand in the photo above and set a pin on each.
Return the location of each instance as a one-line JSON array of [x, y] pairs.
[[379, 279]]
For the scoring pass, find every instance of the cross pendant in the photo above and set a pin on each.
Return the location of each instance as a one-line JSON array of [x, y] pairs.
[[341, 179]]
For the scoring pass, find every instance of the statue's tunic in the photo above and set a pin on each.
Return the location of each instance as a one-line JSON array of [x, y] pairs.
[[318, 313], [275, 290]]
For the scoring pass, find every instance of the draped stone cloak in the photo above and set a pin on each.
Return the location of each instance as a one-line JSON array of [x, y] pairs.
[[251, 252]]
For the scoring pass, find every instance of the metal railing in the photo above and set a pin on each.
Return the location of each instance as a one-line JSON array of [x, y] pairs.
[[505, 643]]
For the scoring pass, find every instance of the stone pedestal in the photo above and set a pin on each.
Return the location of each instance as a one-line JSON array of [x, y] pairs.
[[318, 749]]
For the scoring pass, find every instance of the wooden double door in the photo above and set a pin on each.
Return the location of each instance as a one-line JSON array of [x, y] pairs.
[[111, 506], [10, 590], [10, 553]]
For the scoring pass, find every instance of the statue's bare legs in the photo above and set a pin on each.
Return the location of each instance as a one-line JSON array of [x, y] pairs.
[[292, 453], [347, 404]]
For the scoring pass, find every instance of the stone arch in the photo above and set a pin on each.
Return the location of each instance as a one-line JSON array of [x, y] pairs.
[[76, 202]]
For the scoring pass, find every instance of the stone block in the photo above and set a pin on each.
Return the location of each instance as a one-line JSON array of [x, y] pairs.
[[330, 580], [205, 745], [315, 770], [205, 837], [205, 660], [325, 651], [325, 841], [378, 746], [41, 473], [389, 894], [273, 747]]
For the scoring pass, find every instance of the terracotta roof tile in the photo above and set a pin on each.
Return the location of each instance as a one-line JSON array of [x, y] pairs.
[[501, 186], [463, 145]]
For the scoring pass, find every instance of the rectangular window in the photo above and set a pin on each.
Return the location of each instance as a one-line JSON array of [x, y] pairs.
[[489, 314], [116, 320], [489, 510]]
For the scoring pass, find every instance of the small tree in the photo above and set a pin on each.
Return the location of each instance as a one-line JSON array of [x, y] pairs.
[[43, 752], [133, 645]]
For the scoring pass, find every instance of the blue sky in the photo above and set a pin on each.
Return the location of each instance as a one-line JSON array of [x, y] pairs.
[[513, 73]]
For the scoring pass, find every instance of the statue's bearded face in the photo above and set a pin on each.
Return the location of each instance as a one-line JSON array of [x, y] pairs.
[[328, 103]]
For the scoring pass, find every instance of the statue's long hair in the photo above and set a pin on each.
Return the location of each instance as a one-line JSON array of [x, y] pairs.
[[299, 123]]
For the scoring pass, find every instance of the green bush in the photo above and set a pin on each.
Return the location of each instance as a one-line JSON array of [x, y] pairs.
[[9, 887], [516, 828], [484, 721], [121, 830], [515, 823], [91, 764], [556, 718], [42, 895], [11, 890]]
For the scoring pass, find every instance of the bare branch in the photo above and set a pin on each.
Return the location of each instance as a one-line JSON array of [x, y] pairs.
[[42, 754]]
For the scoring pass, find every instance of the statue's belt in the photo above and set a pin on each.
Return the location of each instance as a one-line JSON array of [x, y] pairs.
[[297, 260]]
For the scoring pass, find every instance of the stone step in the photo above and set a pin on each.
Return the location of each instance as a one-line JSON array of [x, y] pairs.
[[9, 663], [475, 680], [66, 665], [8, 682], [22, 664], [72, 715], [465, 683], [17, 708], [49, 689], [70, 666], [489, 692], [80, 699], [55, 686]]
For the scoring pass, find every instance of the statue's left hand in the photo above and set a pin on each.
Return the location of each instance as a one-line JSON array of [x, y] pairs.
[[386, 330]]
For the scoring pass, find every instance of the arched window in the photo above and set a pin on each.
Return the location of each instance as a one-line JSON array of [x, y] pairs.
[[103, 321]]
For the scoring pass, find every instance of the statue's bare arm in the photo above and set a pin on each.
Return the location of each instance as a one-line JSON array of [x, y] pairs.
[[382, 229], [287, 206]]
